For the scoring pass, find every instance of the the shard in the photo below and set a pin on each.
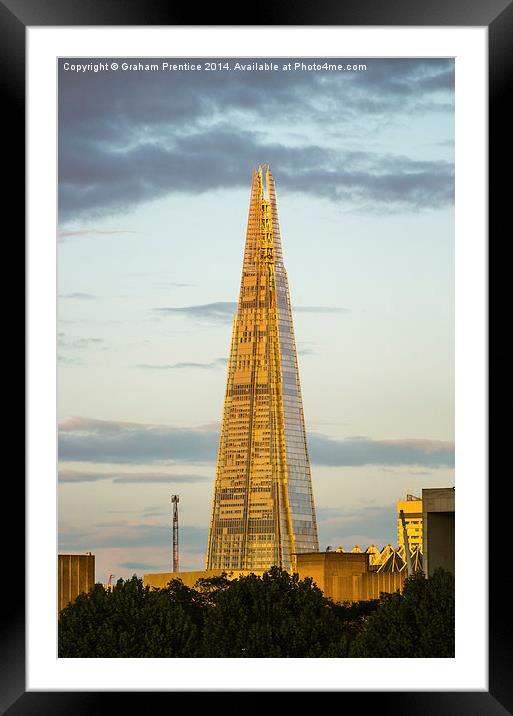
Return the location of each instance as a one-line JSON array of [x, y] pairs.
[[263, 509]]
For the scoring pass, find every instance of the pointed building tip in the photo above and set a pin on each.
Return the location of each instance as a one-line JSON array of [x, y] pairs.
[[262, 168]]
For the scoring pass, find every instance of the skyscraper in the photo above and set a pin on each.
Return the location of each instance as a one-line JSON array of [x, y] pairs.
[[263, 510]]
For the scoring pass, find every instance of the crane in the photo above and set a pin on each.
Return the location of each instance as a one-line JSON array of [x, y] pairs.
[[409, 567]]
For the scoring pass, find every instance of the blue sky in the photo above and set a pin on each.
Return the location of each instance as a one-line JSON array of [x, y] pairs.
[[154, 178]]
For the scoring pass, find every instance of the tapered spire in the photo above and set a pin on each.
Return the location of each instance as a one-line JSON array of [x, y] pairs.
[[263, 510]]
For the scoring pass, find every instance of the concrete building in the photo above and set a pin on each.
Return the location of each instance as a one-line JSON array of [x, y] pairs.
[[75, 575], [412, 509], [160, 579], [347, 576], [342, 576], [438, 524], [263, 509]]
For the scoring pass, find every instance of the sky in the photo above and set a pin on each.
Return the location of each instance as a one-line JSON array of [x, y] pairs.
[[154, 179]]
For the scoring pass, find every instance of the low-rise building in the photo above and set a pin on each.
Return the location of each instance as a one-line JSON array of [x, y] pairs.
[[75, 575], [160, 579], [347, 576]]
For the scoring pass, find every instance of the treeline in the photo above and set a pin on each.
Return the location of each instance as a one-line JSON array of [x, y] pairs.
[[275, 615]]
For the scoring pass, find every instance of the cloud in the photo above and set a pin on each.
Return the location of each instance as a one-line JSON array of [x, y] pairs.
[[346, 528], [174, 366], [304, 348], [357, 451], [64, 235], [219, 311], [107, 441], [78, 295], [141, 566], [76, 423], [127, 534], [124, 101], [151, 559], [172, 284], [70, 361], [78, 343], [444, 143], [320, 309], [104, 181], [223, 311], [127, 138], [421, 473], [337, 527], [171, 478], [143, 478]]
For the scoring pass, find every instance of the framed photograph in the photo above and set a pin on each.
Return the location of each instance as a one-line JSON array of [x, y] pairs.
[[367, 161]]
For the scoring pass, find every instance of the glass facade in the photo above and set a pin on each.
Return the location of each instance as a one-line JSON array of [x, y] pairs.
[[263, 509]]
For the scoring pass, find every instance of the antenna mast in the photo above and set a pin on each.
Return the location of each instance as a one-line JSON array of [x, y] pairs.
[[175, 499]]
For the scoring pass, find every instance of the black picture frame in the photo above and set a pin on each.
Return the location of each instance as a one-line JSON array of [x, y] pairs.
[[497, 15]]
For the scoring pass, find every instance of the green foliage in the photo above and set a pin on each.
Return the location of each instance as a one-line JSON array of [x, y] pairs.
[[208, 587], [275, 615], [354, 616], [417, 623], [131, 621]]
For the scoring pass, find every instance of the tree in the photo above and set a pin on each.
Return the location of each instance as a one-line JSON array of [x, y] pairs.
[[132, 621], [417, 623], [275, 615], [354, 615]]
